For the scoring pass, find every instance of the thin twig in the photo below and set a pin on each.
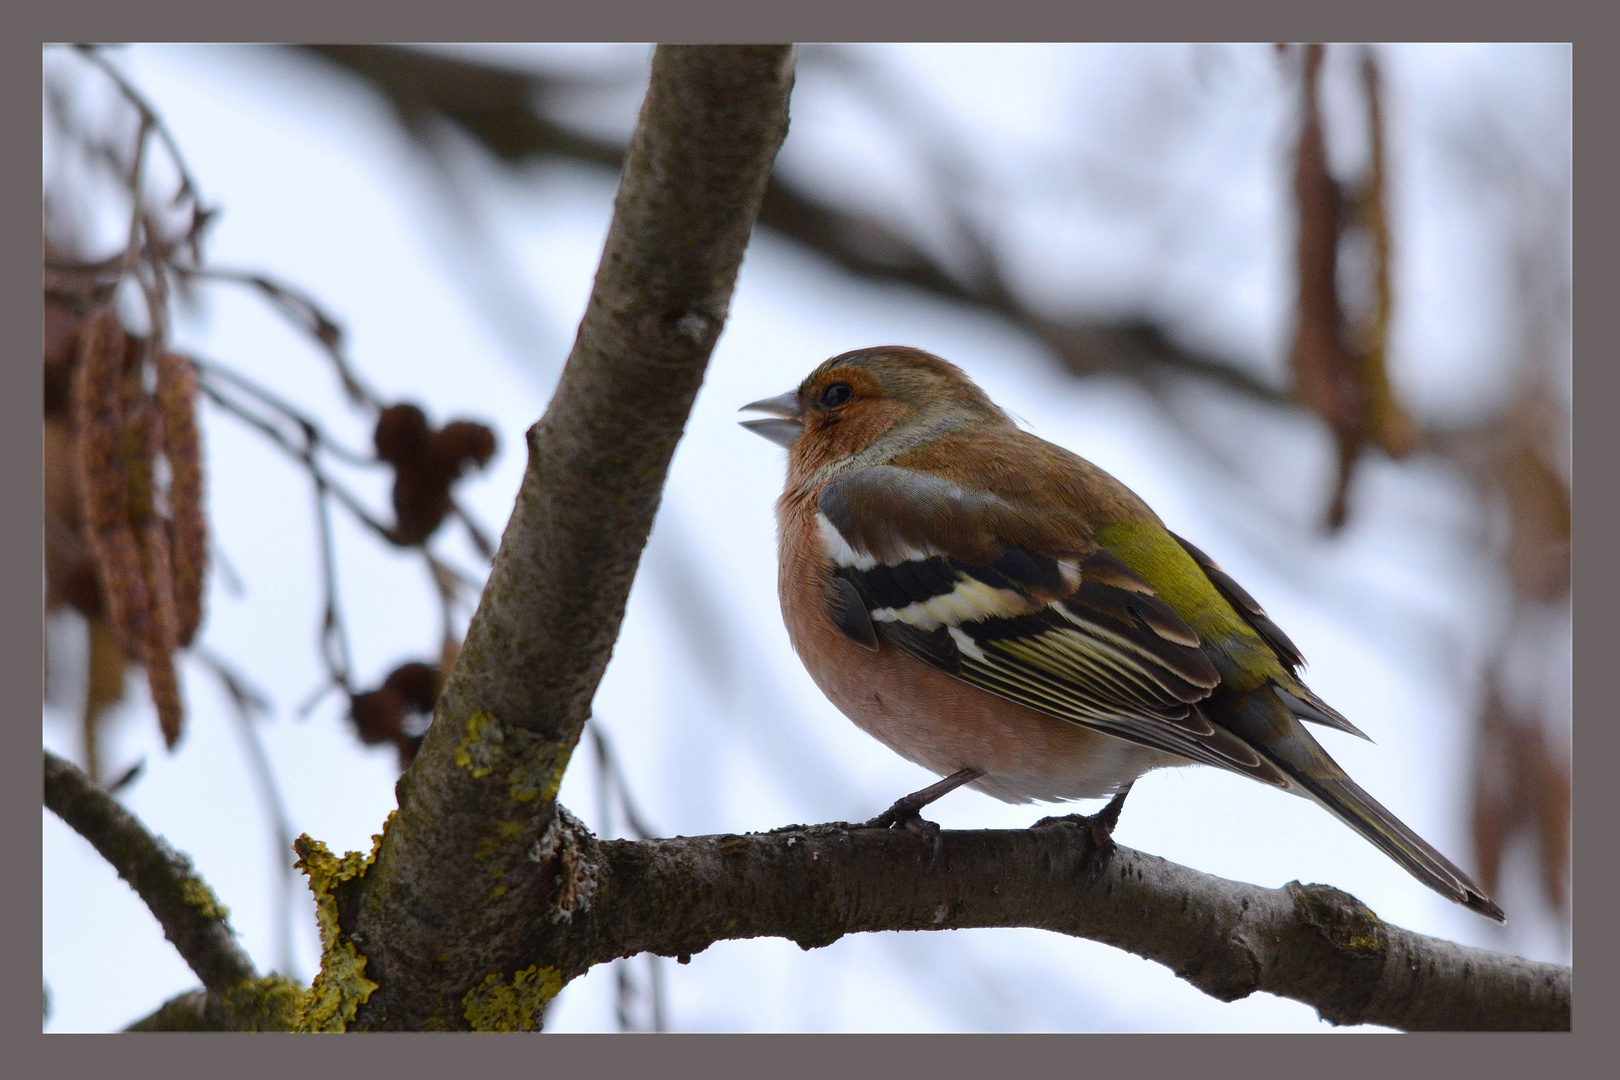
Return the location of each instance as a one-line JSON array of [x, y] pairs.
[[150, 119], [301, 309], [303, 448], [475, 530], [333, 633], [287, 409], [445, 582], [305, 455]]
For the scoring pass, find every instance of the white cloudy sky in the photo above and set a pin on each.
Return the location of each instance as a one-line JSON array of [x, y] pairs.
[[1116, 178]]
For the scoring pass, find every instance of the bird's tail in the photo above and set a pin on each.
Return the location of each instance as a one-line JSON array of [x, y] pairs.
[[1318, 776]]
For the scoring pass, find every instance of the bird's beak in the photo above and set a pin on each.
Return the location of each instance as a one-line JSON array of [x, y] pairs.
[[782, 425]]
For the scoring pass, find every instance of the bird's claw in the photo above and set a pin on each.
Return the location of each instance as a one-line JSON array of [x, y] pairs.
[[1098, 830], [905, 814], [1099, 842]]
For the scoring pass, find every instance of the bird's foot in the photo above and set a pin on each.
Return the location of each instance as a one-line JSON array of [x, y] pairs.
[[907, 810], [1098, 830], [906, 813]]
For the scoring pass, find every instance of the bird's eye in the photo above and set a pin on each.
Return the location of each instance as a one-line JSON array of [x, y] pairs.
[[836, 394]]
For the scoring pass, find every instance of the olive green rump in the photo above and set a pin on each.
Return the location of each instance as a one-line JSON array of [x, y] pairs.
[[1240, 653]]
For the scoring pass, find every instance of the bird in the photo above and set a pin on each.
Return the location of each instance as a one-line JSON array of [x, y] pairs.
[[1009, 616]]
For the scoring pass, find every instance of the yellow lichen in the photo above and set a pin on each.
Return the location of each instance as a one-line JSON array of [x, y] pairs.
[[341, 987], [273, 1003], [499, 1005], [196, 893], [539, 772], [480, 748], [532, 767]]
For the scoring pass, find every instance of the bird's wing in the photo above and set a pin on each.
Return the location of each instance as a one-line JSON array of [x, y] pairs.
[[1297, 696], [1075, 634]]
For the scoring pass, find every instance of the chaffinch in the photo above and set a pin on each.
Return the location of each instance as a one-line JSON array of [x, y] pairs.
[[1009, 616]]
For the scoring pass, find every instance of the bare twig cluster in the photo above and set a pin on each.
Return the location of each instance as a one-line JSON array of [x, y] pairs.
[[126, 534], [426, 465], [126, 526]]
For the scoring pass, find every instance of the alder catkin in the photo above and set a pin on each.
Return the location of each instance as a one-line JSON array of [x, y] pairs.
[[176, 395], [98, 408], [146, 435]]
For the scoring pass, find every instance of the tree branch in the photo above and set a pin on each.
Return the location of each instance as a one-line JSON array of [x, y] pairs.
[[452, 896], [191, 917], [235, 998], [1311, 943]]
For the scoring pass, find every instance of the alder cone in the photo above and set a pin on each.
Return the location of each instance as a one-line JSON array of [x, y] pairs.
[[427, 463], [379, 715], [402, 434]]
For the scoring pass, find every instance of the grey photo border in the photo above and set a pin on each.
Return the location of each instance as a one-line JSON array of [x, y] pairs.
[[732, 20]]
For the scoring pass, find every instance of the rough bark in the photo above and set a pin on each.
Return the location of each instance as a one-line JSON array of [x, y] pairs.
[[1311, 943], [459, 877]]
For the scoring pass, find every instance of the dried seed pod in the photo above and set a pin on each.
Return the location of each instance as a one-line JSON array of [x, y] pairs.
[[417, 684], [176, 395], [377, 714], [399, 710], [1388, 424], [426, 464], [463, 442], [402, 433], [103, 480], [1551, 784]]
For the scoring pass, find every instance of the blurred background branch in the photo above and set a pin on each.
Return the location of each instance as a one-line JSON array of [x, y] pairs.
[[505, 111]]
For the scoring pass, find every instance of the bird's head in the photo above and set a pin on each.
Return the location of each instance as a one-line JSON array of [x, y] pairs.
[[892, 393]]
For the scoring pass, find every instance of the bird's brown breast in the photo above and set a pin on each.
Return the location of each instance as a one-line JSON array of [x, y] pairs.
[[926, 715]]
